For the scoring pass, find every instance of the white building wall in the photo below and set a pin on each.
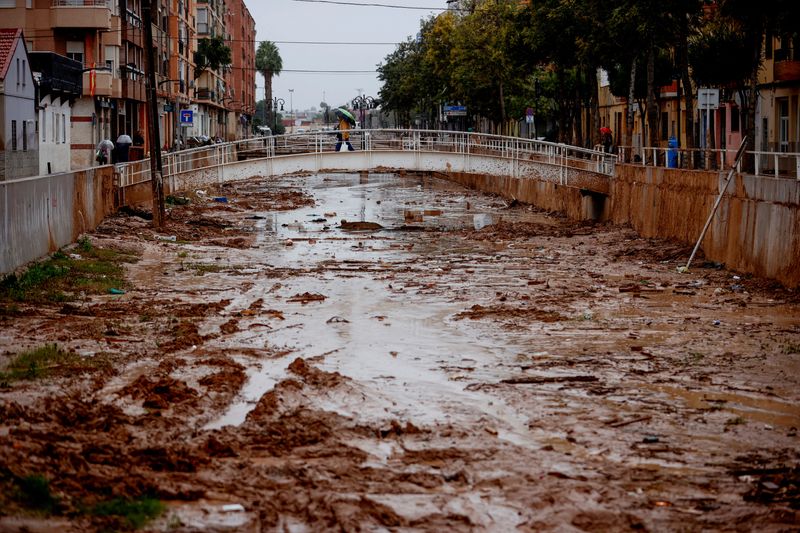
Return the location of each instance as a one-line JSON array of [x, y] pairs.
[[55, 135], [19, 112]]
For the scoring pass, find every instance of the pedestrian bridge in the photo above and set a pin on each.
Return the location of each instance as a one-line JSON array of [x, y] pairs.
[[385, 150]]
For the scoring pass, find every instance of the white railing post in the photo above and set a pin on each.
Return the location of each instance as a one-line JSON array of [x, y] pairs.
[[776, 165]]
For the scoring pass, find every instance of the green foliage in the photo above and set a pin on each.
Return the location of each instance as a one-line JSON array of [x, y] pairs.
[[268, 59], [212, 53], [715, 55], [92, 271], [45, 360], [130, 514], [34, 493]]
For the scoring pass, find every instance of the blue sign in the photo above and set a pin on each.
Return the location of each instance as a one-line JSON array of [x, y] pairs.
[[187, 117], [455, 110]]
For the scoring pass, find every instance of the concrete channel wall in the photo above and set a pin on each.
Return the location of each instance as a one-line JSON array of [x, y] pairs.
[[757, 228], [39, 215]]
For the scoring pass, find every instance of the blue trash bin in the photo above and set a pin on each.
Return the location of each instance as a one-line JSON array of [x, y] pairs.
[[672, 153]]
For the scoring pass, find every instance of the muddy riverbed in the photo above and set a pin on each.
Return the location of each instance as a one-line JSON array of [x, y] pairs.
[[396, 353]]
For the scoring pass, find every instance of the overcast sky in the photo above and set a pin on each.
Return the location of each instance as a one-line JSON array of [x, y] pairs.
[[291, 20]]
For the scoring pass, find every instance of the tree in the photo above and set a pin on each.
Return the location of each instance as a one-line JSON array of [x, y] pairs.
[[211, 54], [269, 64]]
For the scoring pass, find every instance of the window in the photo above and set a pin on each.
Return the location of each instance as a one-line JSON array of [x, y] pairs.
[[63, 127], [24, 69], [18, 76], [664, 125], [202, 21], [75, 50], [44, 126], [110, 58], [13, 135], [55, 128], [734, 119], [8, 3], [24, 135]]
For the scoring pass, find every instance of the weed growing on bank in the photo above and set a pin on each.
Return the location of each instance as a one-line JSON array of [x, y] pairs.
[[66, 277]]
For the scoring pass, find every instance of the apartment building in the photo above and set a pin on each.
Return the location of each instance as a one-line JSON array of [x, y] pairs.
[[88, 31], [241, 77], [210, 90]]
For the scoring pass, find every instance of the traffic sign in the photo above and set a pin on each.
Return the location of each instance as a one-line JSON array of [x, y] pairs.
[[708, 98], [455, 111], [187, 117]]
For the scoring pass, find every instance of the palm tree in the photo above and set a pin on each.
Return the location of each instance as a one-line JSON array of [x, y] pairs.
[[269, 64]]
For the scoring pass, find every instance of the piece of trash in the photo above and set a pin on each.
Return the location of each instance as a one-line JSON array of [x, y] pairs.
[[200, 192], [482, 220], [75, 256], [221, 199], [718, 291], [737, 288], [682, 270], [769, 485], [587, 315], [768, 427], [662, 504], [116, 291], [171, 238], [319, 220], [650, 439], [360, 226], [288, 242], [330, 215], [737, 278], [233, 508], [717, 322], [337, 320]]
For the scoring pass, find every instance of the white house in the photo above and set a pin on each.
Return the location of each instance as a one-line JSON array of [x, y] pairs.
[[60, 83], [19, 143]]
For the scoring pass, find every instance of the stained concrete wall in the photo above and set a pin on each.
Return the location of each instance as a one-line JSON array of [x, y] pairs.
[[41, 214], [757, 227]]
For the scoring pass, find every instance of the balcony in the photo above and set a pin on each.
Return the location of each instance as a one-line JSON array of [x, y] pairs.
[[59, 75], [103, 83], [787, 70], [81, 14]]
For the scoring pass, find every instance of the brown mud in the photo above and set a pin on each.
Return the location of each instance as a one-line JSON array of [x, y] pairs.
[[532, 374]]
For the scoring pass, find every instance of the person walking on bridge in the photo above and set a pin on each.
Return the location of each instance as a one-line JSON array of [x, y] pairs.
[[345, 121]]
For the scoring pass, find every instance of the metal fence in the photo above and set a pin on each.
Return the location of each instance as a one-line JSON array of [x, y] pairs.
[[463, 143], [767, 164]]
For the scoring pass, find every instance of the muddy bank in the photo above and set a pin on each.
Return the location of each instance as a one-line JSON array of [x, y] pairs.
[[447, 362]]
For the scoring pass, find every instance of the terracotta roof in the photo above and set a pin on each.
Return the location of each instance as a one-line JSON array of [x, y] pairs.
[[9, 37]]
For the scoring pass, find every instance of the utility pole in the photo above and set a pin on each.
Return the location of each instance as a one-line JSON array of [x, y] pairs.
[[156, 167]]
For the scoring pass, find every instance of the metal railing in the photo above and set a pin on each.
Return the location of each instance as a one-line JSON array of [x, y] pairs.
[[81, 3], [562, 156], [767, 164]]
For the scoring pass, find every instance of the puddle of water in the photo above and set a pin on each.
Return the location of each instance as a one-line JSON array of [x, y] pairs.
[[760, 409], [260, 381]]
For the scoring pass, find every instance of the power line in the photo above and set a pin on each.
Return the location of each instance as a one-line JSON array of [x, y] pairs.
[[372, 4]]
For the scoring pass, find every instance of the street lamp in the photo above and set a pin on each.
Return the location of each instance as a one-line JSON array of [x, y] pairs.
[[291, 107], [363, 103], [275, 103]]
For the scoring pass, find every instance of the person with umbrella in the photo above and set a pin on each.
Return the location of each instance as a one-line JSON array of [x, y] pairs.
[[346, 119], [103, 154], [606, 138], [121, 154]]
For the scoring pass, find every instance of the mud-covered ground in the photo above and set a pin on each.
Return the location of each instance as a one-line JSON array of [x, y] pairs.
[[384, 353]]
